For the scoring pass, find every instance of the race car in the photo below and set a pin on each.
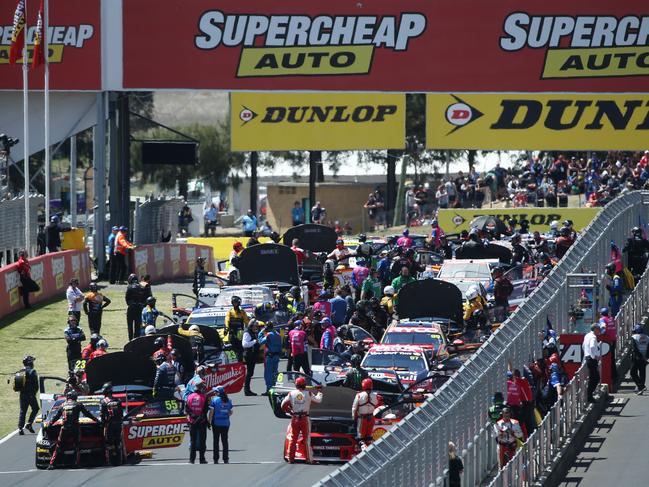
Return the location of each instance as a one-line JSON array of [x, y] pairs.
[[430, 337], [148, 423], [410, 362]]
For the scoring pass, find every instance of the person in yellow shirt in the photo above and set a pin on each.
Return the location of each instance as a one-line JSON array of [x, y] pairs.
[[388, 299], [474, 313], [235, 321]]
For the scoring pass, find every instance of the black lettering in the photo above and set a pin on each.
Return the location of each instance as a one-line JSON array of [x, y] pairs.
[[274, 115], [592, 62], [645, 123], [510, 110], [573, 62], [267, 61], [551, 217], [359, 116], [537, 220], [643, 60], [558, 109], [292, 114], [342, 59], [623, 59], [320, 113], [338, 116], [383, 110], [299, 60], [618, 120], [317, 58]]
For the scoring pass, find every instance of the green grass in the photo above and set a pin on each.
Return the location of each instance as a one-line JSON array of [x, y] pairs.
[[39, 332]]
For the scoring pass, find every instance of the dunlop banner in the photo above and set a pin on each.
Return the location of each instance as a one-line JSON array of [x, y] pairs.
[[529, 121], [317, 121], [454, 221]]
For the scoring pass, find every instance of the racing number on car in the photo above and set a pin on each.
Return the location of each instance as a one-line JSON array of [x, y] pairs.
[[280, 378], [80, 364], [170, 405], [414, 357]]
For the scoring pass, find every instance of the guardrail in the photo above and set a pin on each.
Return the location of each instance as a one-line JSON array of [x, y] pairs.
[[415, 452]]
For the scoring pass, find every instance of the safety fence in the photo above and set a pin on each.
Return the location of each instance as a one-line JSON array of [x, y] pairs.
[[166, 262], [155, 219], [12, 224], [415, 452], [539, 451], [52, 272]]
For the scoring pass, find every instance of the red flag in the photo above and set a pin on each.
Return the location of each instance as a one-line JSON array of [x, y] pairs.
[[38, 40], [18, 33]]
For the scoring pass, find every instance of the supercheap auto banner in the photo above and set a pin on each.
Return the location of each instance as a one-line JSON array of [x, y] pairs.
[[317, 121], [74, 46], [529, 121], [380, 45], [454, 221]]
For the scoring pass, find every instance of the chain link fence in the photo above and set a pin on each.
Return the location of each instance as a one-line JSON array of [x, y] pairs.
[[415, 452], [155, 220], [12, 225]]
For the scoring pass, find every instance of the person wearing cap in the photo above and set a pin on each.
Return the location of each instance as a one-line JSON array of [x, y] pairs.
[[496, 409], [73, 336], [93, 306], [199, 376], [102, 345], [271, 338], [640, 343], [53, 235], [196, 410], [340, 254], [91, 347], [387, 301], [29, 387], [322, 304], [437, 235], [507, 431], [405, 241], [249, 223], [218, 416], [329, 334], [122, 246], [110, 250], [592, 356], [298, 341]]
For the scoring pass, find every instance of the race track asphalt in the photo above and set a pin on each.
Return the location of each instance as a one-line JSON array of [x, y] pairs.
[[256, 444]]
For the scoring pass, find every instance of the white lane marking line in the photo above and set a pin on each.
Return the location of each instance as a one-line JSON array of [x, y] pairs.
[[19, 471], [163, 463], [9, 436]]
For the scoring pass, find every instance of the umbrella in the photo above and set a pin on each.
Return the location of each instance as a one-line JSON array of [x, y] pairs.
[[489, 223]]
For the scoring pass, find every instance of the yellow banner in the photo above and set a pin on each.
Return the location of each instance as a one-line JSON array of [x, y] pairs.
[[454, 221], [534, 121], [317, 121], [596, 62]]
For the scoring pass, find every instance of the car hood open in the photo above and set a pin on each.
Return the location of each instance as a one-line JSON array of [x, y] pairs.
[[313, 237], [336, 402], [210, 334], [490, 251], [145, 347], [120, 368], [266, 263], [430, 297]]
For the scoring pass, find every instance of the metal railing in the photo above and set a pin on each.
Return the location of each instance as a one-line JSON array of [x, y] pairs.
[[414, 453], [154, 218], [12, 223]]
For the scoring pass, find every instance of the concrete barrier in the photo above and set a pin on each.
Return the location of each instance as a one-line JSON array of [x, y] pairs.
[[52, 272], [167, 261]]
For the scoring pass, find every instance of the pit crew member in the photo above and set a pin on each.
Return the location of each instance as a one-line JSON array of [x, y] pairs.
[[363, 408], [297, 403]]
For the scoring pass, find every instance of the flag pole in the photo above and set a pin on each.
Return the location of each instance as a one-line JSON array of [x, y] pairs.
[[46, 49], [26, 131]]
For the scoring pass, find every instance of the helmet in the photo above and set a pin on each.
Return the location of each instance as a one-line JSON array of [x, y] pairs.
[[388, 291], [295, 292], [72, 395], [102, 343], [567, 223], [516, 237], [150, 301], [362, 237], [123, 229], [78, 372], [159, 342], [554, 359], [637, 328], [195, 328], [498, 397], [200, 260], [115, 228], [355, 360], [94, 338], [543, 257], [132, 279], [108, 388], [175, 353], [325, 321], [220, 390], [434, 222], [366, 384], [28, 360], [603, 311], [340, 241], [565, 231], [471, 293], [149, 330], [554, 368], [159, 357], [297, 323], [554, 224], [54, 219], [201, 370], [236, 246], [610, 267], [300, 383], [236, 301], [342, 331], [93, 286]]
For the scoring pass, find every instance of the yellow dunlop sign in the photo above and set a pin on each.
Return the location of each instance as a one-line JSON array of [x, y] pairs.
[[454, 221], [317, 121], [532, 121]]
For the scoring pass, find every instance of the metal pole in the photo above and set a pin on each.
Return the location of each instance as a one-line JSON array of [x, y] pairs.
[[400, 207], [313, 172], [99, 180], [254, 159], [47, 109], [26, 131], [73, 181], [113, 164]]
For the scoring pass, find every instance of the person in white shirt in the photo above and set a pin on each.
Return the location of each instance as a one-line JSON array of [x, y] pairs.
[[250, 351], [75, 299], [592, 355]]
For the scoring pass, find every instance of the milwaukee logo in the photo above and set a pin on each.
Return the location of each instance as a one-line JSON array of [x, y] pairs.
[[225, 378]]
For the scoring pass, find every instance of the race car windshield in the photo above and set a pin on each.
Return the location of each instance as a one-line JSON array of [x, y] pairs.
[[415, 338], [208, 320], [468, 270], [94, 407], [249, 297], [398, 361]]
